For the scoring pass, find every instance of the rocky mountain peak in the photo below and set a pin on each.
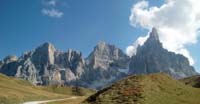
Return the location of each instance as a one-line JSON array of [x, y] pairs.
[[101, 43], [151, 57], [105, 54], [74, 56], [48, 46], [153, 37], [44, 54], [10, 58], [104, 48], [154, 34], [72, 52], [152, 43], [101, 46]]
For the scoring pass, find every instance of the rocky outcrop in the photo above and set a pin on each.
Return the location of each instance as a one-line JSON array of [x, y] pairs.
[[106, 63], [45, 65], [152, 58], [72, 60], [105, 56]]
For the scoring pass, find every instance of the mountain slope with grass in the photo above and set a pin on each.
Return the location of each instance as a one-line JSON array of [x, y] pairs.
[[15, 91], [193, 81], [146, 89]]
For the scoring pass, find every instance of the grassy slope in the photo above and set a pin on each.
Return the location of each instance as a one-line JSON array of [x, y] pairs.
[[193, 81], [69, 91], [147, 89], [13, 91]]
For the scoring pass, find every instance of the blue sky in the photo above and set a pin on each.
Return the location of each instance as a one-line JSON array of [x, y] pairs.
[[82, 25]]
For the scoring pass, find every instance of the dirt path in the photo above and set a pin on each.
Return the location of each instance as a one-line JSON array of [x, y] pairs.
[[47, 101]]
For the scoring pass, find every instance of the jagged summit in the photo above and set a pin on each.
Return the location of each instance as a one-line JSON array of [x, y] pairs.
[[153, 38], [151, 57], [154, 34], [106, 63], [102, 46], [44, 54], [152, 43], [45, 48], [72, 52], [104, 54], [101, 43], [47, 45]]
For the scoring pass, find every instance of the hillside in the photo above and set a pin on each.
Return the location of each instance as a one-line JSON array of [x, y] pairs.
[[193, 81], [69, 90], [146, 89], [14, 91]]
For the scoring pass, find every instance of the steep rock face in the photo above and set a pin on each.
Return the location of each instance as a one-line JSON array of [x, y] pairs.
[[44, 54], [42, 58], [72, 60], [45, 65], [153, 58], [105, 56], [106, 64]]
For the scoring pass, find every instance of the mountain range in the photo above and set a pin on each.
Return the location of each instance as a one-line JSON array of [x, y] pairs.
[[106, 64]]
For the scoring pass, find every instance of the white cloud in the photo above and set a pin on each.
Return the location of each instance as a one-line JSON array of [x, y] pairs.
[[51, 8], [178, 23], [132, 49], [52, 13]]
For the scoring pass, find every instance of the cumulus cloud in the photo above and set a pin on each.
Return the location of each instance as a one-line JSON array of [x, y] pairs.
[[178, 23], [52, 13], [51, 9], [132, 49]]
